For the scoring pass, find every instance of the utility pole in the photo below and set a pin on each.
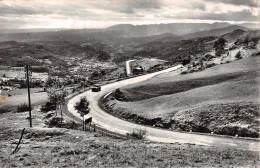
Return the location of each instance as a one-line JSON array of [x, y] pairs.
[[28, 74]]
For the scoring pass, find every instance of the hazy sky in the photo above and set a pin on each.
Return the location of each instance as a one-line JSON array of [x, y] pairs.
[[103, 13]]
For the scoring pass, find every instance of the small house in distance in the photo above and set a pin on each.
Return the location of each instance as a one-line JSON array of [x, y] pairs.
[[129, 67], [135, 67]]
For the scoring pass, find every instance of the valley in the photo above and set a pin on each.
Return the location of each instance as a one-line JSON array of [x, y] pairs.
[[192, 88]]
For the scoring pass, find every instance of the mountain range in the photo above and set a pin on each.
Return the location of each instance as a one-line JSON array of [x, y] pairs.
[[125, 32]]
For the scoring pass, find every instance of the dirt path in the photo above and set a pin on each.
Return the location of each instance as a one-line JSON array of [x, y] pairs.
[[117, 125]]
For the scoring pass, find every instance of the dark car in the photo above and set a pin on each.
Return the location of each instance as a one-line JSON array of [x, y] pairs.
[[96, 88]]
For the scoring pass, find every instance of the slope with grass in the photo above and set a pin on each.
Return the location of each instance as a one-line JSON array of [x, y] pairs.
[[60, 147], [166, 98], [20, 96]]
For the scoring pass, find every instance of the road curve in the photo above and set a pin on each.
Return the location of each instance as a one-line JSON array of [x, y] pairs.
[[114, 124]]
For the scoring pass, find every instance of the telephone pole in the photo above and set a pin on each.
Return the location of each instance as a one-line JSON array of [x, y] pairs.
[[28, 74]]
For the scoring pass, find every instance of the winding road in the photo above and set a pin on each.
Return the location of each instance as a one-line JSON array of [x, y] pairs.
[[114, 124]]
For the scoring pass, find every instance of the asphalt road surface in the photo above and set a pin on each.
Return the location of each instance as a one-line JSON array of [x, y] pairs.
[[114, 124]]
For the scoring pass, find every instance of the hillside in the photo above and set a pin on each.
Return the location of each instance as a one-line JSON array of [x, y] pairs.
[[215, 32], [56, 147], [174, 101], [173, 51], [50, 54], [155, 29]]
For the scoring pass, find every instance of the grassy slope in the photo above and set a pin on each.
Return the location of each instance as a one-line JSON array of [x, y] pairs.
[[21, 96], [242, 88], [57, 147], [223, 99]]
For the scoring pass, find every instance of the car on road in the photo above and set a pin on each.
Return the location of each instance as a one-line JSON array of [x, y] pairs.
[[96, 88]]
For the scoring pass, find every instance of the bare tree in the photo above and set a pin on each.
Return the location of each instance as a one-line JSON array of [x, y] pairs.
[[57, 97]]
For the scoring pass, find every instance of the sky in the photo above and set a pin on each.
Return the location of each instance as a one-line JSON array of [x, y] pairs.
[[30, 14]]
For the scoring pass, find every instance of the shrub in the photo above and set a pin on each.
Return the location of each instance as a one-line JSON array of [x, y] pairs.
[[22, 107], [219, 46], [72, 125], [236, 130], [48, 107], [5, 109], [238, 55], [138, 134], [211, 57], [54, 122], [119, 95], [185, 61], [208, 55], [49, 115], [210, 65]]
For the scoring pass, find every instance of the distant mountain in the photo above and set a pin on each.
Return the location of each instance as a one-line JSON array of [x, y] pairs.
[[250, 25], [7, 31], [127, 33], [234, 35], [112, 33], [215, 32], [128, 30], [242, 37]]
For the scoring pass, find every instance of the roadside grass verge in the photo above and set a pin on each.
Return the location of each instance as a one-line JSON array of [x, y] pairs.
[[61, 147], [237, 118], [226, 119]]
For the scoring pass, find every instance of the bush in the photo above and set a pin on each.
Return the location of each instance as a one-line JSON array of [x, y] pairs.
[[5, 109], [49, 115], [22, 107], [238, 55], [138, 134], [208, 55], [210, 65], [211, 57], [119, 95], [48, 107], [236, 130], [184, 72], [54, 122]]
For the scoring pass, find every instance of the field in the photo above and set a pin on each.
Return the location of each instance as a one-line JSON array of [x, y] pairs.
[[56, 147], [21, 74], [16, 97], [164, 96]]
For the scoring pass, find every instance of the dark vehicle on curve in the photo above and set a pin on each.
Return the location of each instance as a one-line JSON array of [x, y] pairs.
[[96, 88]]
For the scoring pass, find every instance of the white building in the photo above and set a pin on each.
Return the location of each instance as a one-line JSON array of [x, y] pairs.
[[129, 67]]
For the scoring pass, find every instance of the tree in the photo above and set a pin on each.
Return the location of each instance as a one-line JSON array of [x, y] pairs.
[[4, 75], [238, 55], [57, 98], [83, 108], [119, 95], [219, 46], [50, 82]]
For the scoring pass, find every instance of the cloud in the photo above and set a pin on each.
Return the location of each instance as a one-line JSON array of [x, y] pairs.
[[244, 15], [127, 6], [102, 13], [251, 3], [19, 10], [193, 5]]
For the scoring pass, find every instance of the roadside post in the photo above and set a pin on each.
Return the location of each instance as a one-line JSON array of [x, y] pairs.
[[83, 127], [89, 120], [28, 71]]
